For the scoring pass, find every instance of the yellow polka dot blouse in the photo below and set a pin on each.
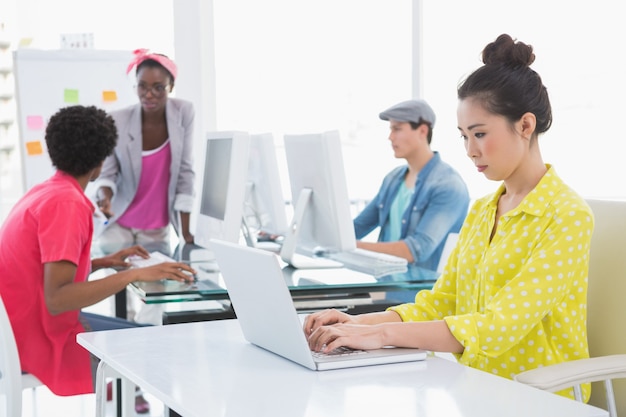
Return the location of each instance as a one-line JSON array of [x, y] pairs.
[[519, 301]]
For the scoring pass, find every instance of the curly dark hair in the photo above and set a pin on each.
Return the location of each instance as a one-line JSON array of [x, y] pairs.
[[507, 85], [79, 138]]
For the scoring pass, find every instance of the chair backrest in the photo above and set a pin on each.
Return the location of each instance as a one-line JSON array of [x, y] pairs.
[[606, 297], [447, 248], [10, 371]]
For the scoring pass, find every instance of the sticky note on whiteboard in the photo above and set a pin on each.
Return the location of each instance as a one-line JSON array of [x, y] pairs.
[[25, 42], [109, 96], [34, 148], [70, 96], [34, 122]]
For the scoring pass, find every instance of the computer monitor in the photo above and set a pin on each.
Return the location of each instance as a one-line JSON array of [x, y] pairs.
[[322, 220], [223, 187], [264, 205]]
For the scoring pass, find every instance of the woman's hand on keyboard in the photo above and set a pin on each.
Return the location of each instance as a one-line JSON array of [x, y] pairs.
[[166, 270], [324, 318], [329, 329], [118, 259], [355, 336]]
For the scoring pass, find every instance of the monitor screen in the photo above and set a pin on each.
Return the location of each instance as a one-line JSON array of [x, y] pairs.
[[264, 207], [215, 181], [322, 221], [223, 187]]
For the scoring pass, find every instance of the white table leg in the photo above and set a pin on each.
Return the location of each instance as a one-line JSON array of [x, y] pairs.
[[128, 391]]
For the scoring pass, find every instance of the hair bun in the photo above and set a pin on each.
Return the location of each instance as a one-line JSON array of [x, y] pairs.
[[509, 52]]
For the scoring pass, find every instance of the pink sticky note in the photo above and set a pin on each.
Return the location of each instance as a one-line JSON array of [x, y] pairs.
[[34, 122]]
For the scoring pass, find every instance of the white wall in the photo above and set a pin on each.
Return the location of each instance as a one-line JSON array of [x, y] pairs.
[[579, 54], [291, 66]]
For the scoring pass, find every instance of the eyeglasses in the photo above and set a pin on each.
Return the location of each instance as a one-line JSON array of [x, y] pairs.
[[157, 90]]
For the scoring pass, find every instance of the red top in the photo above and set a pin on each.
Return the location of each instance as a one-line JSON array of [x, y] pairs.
[[51, 222]]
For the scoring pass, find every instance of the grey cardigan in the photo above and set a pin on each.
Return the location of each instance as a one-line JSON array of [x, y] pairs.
[[122, 169]]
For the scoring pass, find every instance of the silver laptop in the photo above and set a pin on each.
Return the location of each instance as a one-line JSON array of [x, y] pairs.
[[268, 318]]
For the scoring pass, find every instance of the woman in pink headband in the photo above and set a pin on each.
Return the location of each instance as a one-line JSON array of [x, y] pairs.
[[147, 184]]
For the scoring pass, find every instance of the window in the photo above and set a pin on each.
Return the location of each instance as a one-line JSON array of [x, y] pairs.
[[292, 67]]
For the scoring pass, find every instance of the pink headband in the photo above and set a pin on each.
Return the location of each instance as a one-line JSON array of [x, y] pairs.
[[142, 54]]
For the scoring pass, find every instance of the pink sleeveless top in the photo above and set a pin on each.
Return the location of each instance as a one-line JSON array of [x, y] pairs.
[[149, 208]]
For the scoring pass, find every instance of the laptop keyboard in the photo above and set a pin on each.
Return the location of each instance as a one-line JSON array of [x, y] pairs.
[[340, 351]]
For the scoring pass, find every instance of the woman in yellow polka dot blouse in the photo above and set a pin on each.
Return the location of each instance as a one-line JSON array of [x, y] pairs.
[[513, 294]]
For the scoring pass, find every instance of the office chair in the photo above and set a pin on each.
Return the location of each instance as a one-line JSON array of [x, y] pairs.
[[12, 381], [606, 308]]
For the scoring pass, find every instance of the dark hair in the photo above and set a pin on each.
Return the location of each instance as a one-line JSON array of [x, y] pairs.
[[506, 85], [151, 63], [414, 126], [79, 138]]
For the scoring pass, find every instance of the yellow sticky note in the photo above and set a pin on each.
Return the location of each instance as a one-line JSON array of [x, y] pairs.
[[34, 148], [70, 96], [108, 96], [34, 122], [25, 42]]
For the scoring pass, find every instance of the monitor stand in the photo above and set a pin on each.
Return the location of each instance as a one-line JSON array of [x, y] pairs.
[[288, 250], [253, 241]]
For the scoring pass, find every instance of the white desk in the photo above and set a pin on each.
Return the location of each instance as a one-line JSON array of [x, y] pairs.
[[208, 369]]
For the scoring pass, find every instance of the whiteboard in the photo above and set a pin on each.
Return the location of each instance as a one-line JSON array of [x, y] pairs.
[[48, 80]]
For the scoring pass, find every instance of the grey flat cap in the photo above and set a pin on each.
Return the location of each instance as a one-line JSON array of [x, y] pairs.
[[410, 111]]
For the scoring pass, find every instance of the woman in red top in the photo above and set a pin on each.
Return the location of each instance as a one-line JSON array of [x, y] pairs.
[[45, 245]]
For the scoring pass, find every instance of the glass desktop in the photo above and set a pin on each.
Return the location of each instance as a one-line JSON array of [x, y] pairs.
[[321, 284]]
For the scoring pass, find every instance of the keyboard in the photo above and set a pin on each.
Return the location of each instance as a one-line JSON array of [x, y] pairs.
[[299, 261], [370, 262], [340, 351], [366, 257], [157, 258], [154, 259]]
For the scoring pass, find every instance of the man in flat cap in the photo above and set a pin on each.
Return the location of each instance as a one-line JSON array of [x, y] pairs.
[[419, 203]]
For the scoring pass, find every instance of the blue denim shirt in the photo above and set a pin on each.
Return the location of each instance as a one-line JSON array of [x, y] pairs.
[[438, 207]]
